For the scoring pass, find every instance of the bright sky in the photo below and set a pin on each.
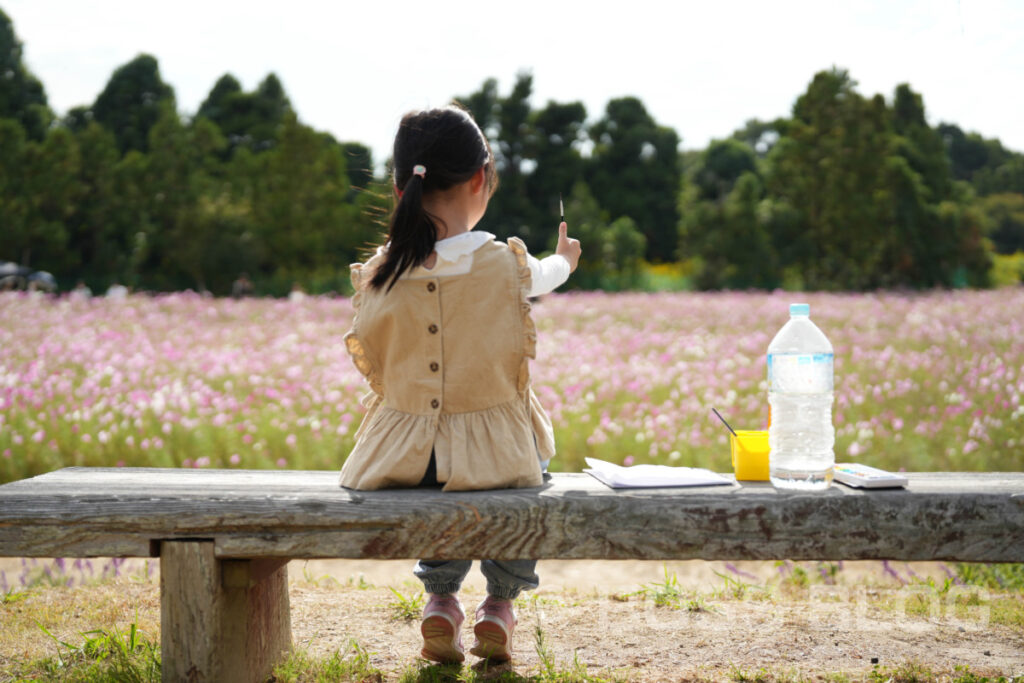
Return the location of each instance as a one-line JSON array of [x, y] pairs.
[[704, 68]]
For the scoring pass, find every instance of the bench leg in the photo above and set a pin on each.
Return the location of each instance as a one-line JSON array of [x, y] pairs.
[[221, 620]]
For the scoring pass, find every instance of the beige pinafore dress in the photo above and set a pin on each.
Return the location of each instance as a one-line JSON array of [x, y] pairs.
[[447, 360]]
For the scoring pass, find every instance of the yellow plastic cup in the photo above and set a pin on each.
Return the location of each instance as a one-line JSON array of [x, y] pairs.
[[749, 455]]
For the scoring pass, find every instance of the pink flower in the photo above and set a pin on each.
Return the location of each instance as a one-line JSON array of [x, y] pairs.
[[627, 461], [281, 462], [235, 459]]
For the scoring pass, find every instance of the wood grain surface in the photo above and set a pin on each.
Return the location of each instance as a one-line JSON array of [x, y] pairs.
[[84, 512], [220, 620]]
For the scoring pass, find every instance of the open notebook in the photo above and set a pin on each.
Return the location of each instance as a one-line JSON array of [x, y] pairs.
[[645, 476]]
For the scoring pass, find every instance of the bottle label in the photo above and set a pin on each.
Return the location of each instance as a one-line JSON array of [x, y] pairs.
[[800, 373]]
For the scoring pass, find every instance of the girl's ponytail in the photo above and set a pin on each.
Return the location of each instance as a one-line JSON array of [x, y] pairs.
[[434, 150], [412, 235]]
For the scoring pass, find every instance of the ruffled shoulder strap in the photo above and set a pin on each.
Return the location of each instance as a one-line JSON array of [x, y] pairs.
[[360, 275], [529, 329]]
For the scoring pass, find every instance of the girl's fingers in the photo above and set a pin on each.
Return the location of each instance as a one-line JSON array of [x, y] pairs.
[[563, 230]]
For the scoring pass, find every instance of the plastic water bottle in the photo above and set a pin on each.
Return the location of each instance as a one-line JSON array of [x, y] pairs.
[[800, 435]]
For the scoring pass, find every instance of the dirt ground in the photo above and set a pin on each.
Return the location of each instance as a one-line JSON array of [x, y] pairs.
[[590, 614], [606, 576], [639, 641]]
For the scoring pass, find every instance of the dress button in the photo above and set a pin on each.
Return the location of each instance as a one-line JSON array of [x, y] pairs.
[[432, 329], [434, 403], [431, 286], [434, 367]]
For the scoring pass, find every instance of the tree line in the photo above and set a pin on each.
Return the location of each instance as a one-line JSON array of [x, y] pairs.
[[849, 192]]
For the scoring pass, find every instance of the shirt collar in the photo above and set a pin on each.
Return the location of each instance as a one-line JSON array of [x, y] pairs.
[[451, 249]]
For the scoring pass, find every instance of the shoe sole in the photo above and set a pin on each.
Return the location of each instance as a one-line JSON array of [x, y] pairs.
[[492, 641], [439, 641]]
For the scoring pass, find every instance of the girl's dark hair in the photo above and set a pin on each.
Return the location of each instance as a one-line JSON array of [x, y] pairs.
[[451, 147]]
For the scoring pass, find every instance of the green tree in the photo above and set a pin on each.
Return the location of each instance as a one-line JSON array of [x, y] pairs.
[[721, 166], [186, 240], [759, 135], [15, 205], [635, 170], [22, 97], [38, 195], [920, 144], [828, 169], [1006, 177], [985, 163], [246, 119], [134, 233], [729, 238], [511, 212], [623, 247], [299, 209], [99, 232], [218, 103], [1005, 214], [483, 106], [612, 251], [358, 165], [556, 131], [132, 101], [967, 153]]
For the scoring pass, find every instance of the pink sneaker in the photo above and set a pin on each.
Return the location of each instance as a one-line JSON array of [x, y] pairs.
[[442, 629], [495, 621]]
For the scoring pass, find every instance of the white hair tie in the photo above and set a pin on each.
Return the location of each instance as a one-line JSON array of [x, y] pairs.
[[419, 170]]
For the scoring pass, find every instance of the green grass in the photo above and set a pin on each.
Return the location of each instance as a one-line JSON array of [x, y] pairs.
[[666, 593], [995, 576], [103, 655], [550, 671], [353, 665], [406, 607]]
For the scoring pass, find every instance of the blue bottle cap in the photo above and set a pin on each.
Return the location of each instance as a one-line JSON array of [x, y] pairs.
[[800, 309]]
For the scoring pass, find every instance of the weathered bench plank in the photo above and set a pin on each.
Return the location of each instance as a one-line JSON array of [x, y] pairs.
[[294, 514]]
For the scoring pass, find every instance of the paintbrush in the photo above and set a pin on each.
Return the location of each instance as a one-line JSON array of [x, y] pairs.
[[725, 423], [561, 207]]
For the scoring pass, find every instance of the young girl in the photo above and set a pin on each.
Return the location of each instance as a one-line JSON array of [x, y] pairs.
[[443, 334]]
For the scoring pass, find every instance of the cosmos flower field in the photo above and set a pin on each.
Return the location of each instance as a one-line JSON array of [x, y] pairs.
[[930, 381]]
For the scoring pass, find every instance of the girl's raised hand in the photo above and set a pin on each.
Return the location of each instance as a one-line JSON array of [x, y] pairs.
[[568, 247]]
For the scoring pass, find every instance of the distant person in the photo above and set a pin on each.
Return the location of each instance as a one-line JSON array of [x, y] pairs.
[[297, 293], [443, 334], [117, 292], [242, 287], [81, 292], [35, 290]]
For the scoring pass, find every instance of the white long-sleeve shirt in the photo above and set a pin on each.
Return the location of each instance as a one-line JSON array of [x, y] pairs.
[[455, 257]]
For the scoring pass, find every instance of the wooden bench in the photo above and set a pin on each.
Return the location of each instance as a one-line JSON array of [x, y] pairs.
[[224, 536]]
